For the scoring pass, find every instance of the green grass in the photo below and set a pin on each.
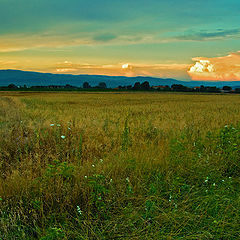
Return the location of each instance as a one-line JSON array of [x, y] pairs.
[[126, 166]]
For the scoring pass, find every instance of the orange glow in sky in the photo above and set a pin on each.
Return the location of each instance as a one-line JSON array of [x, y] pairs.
[[225, 68]]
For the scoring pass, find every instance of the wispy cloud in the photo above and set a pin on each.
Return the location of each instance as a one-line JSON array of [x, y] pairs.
[[226, 68], [104, 37], [124, 69], [20, 42], [207, 35]]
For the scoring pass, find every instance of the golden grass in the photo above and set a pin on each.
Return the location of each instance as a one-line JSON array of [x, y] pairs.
[[130, 132]]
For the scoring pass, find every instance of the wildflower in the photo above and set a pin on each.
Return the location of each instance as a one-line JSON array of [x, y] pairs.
[[58, 125], [93, 165], [63, 137], [79, 210], [214, 184], [127, 179], [85, 177], [111, 180], [170, 198], [101, 160], [69, 128], [52, 124], [223, 180], [206, 180]]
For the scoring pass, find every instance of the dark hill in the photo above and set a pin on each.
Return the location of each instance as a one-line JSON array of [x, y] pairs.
[[28, 78]]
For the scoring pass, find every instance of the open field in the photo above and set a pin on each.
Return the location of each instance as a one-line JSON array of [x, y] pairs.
[[119, 166]]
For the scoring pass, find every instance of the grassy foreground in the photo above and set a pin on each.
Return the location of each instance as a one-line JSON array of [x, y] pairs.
[[119, 166]]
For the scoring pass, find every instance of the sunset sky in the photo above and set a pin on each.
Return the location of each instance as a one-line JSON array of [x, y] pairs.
[[182, 39]]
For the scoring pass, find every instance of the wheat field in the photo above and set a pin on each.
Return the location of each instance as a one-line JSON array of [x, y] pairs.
[[119, 166]]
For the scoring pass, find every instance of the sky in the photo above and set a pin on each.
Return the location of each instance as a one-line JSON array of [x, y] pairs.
[[186, 40]]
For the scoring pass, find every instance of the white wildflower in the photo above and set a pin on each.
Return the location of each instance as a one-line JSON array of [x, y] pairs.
[[79, 210], [63, 137], [52, 124]]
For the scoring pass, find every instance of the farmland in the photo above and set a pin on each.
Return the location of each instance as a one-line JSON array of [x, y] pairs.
[[119, 166]]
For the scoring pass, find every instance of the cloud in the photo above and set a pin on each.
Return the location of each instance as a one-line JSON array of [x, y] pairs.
[[19, 42], [7, 64], [22, 42], [206, 35], [104, 37], [52, 39], [226, 68], [124, 69]]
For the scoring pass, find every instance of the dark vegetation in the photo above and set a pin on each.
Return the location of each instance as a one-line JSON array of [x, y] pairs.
[[102, 86]]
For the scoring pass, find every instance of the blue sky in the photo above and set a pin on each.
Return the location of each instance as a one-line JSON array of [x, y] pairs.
[[98, 37]]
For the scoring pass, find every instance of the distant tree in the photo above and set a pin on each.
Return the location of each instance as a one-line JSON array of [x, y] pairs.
[[137, 86], [180, 88], [86, 85], [167, 88], [227, 88], [202, 89], [68, 86], [102, 85], [212, 89], [12, 86], [145, 85], [237, 90]]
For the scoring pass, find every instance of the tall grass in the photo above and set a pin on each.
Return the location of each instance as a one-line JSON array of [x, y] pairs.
[[119, 166]]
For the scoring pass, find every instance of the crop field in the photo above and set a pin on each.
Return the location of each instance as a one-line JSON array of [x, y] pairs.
[[119, 166]]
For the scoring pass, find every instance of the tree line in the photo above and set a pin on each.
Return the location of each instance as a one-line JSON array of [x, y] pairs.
[[144, 86]]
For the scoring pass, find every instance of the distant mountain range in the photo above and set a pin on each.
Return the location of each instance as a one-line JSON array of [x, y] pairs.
[[21, 78]]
